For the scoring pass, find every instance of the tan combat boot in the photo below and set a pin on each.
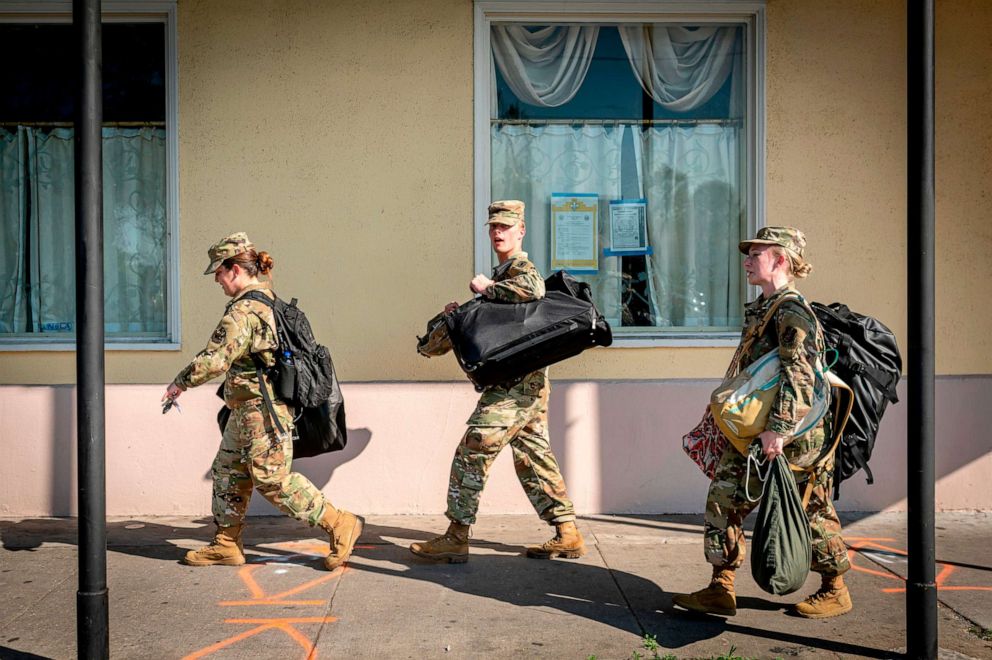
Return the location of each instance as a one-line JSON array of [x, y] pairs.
[[833, 599], [567, 542], [717, 598], [343, 528], [226, 549], [452, 546]]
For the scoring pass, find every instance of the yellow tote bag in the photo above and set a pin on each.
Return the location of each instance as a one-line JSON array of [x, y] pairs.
[[742, 402]]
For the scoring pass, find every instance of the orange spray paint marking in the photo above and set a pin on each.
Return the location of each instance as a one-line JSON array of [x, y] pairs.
[[946, 570], [285, 625], [259, 596]]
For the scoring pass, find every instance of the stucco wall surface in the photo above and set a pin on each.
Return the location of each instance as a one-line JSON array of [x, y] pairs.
[[618, 442], [339, 136]]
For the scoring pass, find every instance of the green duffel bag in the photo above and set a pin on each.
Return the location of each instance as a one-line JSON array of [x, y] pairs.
[[782, 546]]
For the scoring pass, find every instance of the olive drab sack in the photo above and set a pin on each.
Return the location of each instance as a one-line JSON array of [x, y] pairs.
[[782, 544], [868, 360]]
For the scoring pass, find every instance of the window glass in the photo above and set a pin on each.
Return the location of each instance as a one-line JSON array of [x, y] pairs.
[[627, 142], [37, 245]]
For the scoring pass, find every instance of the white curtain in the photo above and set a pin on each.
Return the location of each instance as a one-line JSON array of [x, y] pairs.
[[692, 179], [14, 308], [680, 69], [545, 67], [531, 162], [51, 252], [135, 227], [37, 216]]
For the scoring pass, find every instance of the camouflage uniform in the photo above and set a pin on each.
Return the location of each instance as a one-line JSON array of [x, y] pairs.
[[516, 415], [795, 333], [252, 453]]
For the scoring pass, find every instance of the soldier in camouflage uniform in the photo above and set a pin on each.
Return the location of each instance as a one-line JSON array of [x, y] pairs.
[[252, 452], [510, 414], [775, 258]]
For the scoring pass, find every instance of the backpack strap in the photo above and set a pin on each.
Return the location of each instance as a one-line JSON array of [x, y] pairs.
[[265, 394], [259, 367], [759, 330]]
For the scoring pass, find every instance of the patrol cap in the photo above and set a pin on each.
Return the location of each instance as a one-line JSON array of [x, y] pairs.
[[226, 248], [507, 212], [788, 237]]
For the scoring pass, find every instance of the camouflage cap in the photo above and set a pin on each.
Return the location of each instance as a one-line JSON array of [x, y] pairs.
[[788, 237], [226, 248], [508, 212]]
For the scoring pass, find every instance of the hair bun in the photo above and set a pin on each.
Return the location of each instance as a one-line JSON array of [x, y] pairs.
[[264, 261]]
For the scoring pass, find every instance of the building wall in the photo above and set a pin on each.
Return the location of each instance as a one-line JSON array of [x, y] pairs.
[[339, 136]]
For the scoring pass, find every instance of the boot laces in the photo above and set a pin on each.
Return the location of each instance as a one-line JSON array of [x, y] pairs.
[[821, 595]]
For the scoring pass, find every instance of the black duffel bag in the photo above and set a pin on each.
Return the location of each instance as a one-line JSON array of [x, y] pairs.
[[500, 343], [316, 430]]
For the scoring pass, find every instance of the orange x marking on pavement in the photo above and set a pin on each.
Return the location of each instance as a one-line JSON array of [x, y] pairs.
[[309, 548], [869, 543], [285, 625]]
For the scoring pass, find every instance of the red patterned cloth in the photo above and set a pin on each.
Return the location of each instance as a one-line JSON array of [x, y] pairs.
[[705, 444]]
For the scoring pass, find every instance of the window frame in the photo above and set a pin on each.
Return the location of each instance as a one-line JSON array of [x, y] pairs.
[[750, 13], [130, 11]]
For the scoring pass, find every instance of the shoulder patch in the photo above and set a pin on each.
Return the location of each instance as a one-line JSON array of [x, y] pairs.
[[219, 335]]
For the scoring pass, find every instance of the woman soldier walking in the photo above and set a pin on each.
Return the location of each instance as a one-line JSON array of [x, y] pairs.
[[774, 259], [252, 453]]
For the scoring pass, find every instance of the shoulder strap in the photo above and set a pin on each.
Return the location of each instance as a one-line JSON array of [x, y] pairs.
[[759, 330], [265, 394], [260, 297]]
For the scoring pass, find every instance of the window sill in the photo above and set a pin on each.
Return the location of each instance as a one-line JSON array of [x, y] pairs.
[[714, 340], [18, 346]]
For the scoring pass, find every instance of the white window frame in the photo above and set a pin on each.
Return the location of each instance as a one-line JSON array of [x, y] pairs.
[[131, 11], [749, 12]]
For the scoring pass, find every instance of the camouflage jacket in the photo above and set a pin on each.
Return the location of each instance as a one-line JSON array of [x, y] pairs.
[[500, 405], [246, 327], [796, 334]]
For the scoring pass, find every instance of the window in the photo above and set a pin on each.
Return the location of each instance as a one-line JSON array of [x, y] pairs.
[[37, 216], [630, 136]]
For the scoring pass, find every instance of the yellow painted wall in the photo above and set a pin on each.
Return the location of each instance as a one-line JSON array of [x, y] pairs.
[[339, 136]]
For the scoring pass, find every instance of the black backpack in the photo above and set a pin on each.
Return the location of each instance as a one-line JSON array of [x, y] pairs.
[[868, 360], [303, 376]]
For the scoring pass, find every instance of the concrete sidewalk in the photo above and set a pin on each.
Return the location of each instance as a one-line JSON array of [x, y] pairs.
[[389, 603]]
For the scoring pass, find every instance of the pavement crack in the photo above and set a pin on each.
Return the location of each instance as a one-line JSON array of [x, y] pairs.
[[630, 608], [35, 603]]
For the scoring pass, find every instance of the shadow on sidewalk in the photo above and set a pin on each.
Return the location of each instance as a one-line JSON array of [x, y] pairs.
[[579, 588]]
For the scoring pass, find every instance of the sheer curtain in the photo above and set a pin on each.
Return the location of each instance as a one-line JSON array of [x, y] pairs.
[[14, 307], [37, 216], [135, 227], [680, 69], [545, 67], [531, 162], [692, 177]]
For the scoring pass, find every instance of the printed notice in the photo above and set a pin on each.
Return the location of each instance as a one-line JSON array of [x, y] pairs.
[[628, 226], [575, 232]]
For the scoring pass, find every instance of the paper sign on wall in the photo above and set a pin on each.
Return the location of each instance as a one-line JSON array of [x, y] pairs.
[[575, 232], [628, 227]]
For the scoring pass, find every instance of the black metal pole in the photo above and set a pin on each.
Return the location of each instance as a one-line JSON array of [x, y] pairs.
[[92, 617], [921, 587]]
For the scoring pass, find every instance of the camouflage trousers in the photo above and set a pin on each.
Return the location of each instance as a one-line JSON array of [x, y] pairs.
[[253, 455], [727, 507], [534, 462]]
